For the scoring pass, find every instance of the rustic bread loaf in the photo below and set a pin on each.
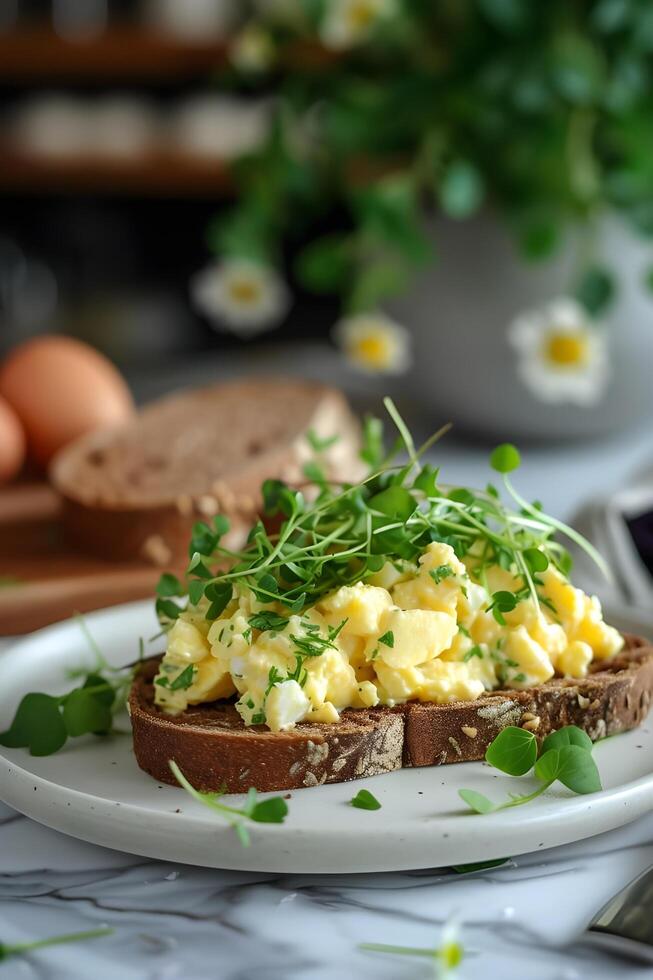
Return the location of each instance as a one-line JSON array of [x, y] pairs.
[[215, 750], [135, 492]]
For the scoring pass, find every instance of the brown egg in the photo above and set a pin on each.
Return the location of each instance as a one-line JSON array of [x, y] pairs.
[[12, 442], [61, 388]]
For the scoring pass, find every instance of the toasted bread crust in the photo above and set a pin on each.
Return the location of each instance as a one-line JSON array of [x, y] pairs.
[[215, 750]]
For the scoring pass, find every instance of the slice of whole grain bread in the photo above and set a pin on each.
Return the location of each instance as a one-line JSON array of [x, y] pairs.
[[135, 492], [215, 750]]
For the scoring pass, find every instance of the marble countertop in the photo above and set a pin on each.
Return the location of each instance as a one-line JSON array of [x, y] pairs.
[[174, 921]]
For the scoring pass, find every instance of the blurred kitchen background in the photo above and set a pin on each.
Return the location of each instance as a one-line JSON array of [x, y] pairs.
[[450, 200]]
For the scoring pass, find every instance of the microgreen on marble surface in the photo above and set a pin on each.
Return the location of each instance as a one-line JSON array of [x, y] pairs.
[[20, 949], [272, 810], [446, 957], [565, 756]]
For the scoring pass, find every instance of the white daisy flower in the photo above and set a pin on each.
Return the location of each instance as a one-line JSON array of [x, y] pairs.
[[349, 22], [252, 50], [374, 343], [562, 353], [451, 952], [240, 295]]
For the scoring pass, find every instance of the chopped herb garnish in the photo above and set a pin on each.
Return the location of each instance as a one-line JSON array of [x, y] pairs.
[[388, 639], [268, 621], [441, 572], [184, 680], [474, 651]]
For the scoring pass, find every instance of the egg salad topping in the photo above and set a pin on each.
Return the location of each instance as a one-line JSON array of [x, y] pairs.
[[419, 632], [391, 590]]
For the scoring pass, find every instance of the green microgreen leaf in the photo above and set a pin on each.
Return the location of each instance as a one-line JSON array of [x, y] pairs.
[[513, 751], [38, 726], [566, 758], [364, 800], [83, 714], [536, 559], [477, 801], [169, 585], [569, 735], [505, 458]]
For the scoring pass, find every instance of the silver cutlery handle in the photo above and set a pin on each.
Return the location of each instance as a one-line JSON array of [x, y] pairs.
[[625, 925]]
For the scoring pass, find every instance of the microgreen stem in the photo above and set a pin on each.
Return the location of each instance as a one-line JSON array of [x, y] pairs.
[[431, 954], [71, 937]]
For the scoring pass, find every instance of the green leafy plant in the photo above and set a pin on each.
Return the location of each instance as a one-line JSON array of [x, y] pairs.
[[564, 756], [272, 810], [364, 800], [541, 110], [8, 950]]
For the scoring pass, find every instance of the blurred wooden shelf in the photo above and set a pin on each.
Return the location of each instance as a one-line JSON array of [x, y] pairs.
[[155, 175], [126, 53], [118, 53]]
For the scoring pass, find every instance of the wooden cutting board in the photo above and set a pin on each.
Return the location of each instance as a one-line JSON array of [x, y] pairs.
[[42, 579]]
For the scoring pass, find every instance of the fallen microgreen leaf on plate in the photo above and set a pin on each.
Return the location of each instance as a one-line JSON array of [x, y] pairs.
[[272, 810], [43, 723], [19, 949], [364, 800], [565, 756]]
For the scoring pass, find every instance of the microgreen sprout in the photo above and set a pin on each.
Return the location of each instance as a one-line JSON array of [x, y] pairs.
[[565, 756], [350, 530], [20, 949], [446, 957], [43, 723], [272, 810]]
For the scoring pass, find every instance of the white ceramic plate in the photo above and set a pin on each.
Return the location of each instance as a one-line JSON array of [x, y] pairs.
[[94, 790]]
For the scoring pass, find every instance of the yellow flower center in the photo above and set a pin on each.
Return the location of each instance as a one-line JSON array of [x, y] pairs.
[[451, 955], [245, 291], [567, 349], [373, 350], [361, 14]]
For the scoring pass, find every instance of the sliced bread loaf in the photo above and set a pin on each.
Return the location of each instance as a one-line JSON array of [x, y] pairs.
[[215, 750], [135, 492]]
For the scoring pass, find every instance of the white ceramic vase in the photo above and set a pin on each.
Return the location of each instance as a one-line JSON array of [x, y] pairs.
[[459, 310]]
